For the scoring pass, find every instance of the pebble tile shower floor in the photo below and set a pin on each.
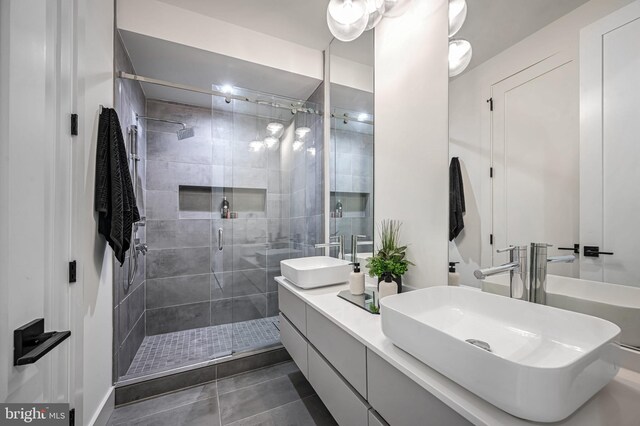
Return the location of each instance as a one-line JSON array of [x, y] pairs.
[[171, 350]]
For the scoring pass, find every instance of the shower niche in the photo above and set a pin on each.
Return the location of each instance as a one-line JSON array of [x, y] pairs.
[[206, 201]]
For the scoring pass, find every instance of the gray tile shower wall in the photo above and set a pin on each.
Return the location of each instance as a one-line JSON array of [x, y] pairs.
[[129, 300], [193, 279]]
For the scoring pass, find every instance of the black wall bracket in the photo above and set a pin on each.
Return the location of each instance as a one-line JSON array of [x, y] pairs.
[[594, 251], [30, 342]]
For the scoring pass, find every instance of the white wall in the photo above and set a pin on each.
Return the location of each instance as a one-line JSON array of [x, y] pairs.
[[469, 118], [95, 29], [351, 74], [411, 148], [168, 22]]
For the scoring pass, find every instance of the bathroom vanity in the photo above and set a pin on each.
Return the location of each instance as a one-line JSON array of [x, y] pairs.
[[364, 379]]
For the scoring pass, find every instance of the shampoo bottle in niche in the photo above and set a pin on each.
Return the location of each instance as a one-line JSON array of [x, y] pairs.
[[387, 287], [356, 280], [224, 209], [339, 209], [454, 277]]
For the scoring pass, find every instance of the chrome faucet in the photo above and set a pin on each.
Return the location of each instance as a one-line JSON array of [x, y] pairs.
[[538, 277], [354, 247], [339, 243], [517, 268]]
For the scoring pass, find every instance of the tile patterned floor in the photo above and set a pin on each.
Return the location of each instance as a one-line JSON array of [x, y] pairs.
[[276, 395], [171, 350]]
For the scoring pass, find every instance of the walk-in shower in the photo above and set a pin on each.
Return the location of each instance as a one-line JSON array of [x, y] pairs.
[[205, 289]]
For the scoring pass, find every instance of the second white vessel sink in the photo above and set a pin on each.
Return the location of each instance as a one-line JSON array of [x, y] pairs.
[[315, 271], [532, 361]]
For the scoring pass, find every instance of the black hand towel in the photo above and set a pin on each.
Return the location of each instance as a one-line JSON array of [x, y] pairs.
[[114, 198], [456, 199]]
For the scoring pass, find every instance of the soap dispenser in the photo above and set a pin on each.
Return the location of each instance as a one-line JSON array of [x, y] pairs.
[[454, 277], [339, 209], [356, 280], [387, 287], [224, 209]]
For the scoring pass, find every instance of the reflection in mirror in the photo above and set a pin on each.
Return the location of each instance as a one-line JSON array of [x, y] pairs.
[[351, 159], [541, 123]]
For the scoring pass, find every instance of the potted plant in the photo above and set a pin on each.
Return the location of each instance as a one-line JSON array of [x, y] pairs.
[[391, 257]]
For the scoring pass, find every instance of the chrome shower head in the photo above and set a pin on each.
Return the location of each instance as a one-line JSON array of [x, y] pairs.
[[185, 133]]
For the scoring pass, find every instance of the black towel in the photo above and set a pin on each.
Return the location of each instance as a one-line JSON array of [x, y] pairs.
[[114, 198], [456, 199]]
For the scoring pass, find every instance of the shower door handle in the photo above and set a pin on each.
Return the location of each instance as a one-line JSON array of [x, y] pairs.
[[220, 235]]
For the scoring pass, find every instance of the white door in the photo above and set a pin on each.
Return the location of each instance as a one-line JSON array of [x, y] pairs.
[[535, 144], [35, 186], [610, 146]]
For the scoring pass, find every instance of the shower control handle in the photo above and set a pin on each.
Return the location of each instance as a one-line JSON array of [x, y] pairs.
[[220, 235]]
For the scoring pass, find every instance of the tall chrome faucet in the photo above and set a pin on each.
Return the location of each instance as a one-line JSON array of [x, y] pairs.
[[339, 243], [538, 274], [517, 268]]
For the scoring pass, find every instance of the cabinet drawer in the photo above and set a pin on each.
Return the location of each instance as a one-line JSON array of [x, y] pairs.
[[345, 353], [344, 403], [293, 308], [375, 419], [295, 344], [401, 401]]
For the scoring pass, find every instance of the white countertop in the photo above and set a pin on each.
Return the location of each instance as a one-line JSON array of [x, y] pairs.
[[618, 404]]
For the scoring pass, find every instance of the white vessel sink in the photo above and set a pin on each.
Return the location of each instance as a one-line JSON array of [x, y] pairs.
[[619, 304], [316, 271], [544, 362]]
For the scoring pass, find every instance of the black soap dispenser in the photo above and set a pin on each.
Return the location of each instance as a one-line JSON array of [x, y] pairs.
[[225, 212]]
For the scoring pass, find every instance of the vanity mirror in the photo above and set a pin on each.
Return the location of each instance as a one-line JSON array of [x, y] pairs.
[[544, 123], [351, 133]]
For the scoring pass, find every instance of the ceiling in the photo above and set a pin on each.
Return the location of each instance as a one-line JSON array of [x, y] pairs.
[[495, 25], [299, 21], [177, 63]]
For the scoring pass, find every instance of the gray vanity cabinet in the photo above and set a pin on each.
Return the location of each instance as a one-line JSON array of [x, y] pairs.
[[295, 343], [345, 405], [401, 401], [345, 353], [294, 308]]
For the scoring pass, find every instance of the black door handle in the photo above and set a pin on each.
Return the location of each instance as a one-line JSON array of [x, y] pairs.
[[594, 251], [575, 249]]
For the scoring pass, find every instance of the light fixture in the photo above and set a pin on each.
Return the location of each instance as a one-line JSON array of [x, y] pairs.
[[297, 145], [311, 151], [347, 19], [457, 15], [271, 142], [227, 88], [460, 53], [362, 116], [395, 8], [375, 9], [301, 132], [275, 129], [256, 146]]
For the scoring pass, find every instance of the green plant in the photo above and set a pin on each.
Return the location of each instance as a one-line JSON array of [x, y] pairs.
[[391, 258]]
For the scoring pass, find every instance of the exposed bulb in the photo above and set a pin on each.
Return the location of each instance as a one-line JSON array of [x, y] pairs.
[[301, 132], [362, 116], [297, 145], [271, 142], [460, 53], [395, 8], [275, 129], [457, 15], [347, 19], [256, 146], [375, 9]]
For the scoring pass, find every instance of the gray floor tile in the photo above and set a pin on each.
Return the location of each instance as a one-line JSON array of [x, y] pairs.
[[199, 413], [251, 378], [249, 401], [148, 407], [305, 412]]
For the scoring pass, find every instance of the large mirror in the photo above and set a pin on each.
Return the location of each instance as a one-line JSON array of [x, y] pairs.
[[351, 135], [543, 133]]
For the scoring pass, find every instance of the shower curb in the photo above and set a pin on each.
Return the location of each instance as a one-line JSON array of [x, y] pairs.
[[128, 393]]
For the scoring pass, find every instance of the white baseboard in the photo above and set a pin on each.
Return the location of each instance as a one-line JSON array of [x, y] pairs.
[[101, 417]]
